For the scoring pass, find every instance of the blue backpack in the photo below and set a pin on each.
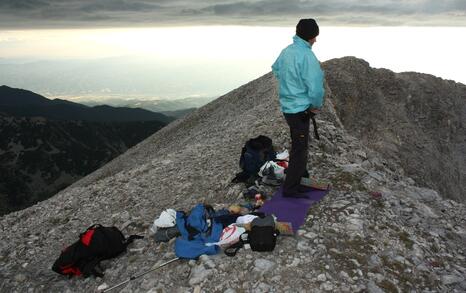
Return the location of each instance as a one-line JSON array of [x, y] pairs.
[[255, 153], [197, 229]]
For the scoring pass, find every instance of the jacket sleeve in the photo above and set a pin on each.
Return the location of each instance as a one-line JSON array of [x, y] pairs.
[[276, 67], [313, 78]]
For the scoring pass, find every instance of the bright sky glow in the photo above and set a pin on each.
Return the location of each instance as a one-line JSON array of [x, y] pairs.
[[435, 50]]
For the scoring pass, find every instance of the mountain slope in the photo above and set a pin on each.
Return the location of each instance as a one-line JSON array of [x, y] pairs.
[[39, 157], [410, 239]]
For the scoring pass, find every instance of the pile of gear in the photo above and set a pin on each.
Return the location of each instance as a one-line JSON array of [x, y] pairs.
[[201, 230]]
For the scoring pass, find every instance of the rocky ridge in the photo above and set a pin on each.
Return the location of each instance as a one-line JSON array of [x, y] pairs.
[[406, 117], [409, 239]]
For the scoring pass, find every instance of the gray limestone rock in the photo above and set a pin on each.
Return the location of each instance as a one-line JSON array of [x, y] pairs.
[[373, 288], [198, 275]]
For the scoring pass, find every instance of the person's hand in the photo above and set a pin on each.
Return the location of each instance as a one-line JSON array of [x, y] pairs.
[[315, 111]]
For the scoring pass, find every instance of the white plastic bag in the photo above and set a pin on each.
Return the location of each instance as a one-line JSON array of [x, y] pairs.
[[246, 219], [279, 171], [230, 235], [166, 219], [283, 156]]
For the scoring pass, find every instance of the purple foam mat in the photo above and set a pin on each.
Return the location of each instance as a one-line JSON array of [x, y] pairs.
[[293, 210]]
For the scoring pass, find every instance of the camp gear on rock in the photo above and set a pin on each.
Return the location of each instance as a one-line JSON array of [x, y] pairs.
[[97, 243], [283, 156], [237, 209], [300, 78], [197, 228], [230, 235], [254, 154], [140, 275], [271, 180], [263, 234], [245, 219], [251, 193], [233, 249], [285, 228], [224, 217], [165, 234], [299, 130], [272, 168], [261, 237], [259, 200], [166, 219], [283, 164], [293, 210]]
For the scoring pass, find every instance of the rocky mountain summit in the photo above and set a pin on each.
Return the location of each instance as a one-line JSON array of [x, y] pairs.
[[376, 231], [416, 120]]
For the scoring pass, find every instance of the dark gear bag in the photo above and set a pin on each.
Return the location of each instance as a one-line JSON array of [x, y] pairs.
[[263, 234], [97, 243], [262, 237]]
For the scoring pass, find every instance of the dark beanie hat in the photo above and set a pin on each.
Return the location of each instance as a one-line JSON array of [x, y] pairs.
[[307, 29]]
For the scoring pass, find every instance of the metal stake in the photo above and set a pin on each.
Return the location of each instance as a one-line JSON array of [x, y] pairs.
[[140, 275]]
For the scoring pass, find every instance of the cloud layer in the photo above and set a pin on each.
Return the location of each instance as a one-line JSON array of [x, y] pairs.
[[127, 13]]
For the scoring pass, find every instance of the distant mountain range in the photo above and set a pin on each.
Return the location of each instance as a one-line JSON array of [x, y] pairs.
[[171, 107], [23, 103], [46, 145]]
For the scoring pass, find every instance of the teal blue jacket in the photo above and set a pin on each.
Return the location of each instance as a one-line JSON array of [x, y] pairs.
[[300, 78]]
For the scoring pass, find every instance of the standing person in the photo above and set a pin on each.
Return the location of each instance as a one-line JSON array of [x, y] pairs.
[[301, 92]]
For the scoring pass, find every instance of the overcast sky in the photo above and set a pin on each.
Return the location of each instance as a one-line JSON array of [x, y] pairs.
[[23, 14]]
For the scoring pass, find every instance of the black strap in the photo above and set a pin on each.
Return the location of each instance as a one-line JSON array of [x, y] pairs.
[[97, 271], [232, 250], [316, 133], [131, 238]]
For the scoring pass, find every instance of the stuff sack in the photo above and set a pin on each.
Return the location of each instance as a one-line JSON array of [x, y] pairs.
[[97, 243], [263, 234]]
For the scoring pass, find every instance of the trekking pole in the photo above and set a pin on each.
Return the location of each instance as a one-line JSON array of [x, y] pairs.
[[140, 275]]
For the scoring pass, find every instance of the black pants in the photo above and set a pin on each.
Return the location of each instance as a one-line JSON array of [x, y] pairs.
[[299, 129]]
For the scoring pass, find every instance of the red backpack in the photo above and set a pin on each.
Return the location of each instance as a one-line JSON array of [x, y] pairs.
[[97, 243]]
